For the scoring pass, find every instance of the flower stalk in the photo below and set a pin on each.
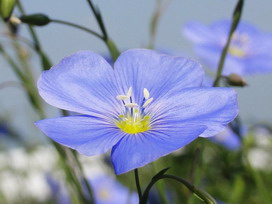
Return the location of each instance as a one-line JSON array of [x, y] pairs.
[[35, 101], [137, 181], [159, 10], [45, 62], [109, 43], [235, 21], [77, 26]]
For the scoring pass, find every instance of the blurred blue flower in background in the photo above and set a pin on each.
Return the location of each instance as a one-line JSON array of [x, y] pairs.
[[228, 138], [58, 192], [148, 106], [250, 51], [108, 191]]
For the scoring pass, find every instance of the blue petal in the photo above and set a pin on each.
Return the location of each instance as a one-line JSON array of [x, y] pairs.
[[82, 82], [261, 64], [88, 135], [212, 107], [115, 192], [210, 55], [228, 139], [161, 74], [222, 28], [135, 151], [198, 32]]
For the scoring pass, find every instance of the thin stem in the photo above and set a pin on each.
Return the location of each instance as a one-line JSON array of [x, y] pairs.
[[34, 101], [201, 194], [85, 180], [160, 185], [98, 19], [235, 21], [137, 181], [46, 64], [31, 30], [159, 10], [109, 43], [77, 26]]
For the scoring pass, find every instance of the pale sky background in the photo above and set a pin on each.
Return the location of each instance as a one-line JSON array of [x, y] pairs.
[[127, 22]]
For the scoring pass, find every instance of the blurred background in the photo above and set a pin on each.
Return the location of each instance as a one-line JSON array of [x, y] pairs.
[[128, 24]]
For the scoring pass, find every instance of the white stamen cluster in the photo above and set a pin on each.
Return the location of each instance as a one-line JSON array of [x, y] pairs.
[[134, 119], [240, 37], [127, 99]]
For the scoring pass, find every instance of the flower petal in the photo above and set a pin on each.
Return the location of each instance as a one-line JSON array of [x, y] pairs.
[[198, 32], [228, 139], [88, 135], [259, 64], [135, 151], [161, 74], [222, 27], [212, 107], [210, 55], [81, 83]]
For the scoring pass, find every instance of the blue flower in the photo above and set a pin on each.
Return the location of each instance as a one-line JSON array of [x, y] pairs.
[[148, 106], [108, 191], [59, 193], [249, 52], [228, 139]]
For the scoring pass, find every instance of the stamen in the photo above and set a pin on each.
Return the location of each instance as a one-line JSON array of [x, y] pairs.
[[122, 97], [146, 94], [129, 92], [131, 105], [147, 102], [134, 120]]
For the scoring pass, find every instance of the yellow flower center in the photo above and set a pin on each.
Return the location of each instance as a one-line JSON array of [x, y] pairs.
[[104, 194], [237, 51], [133, 125], [134, 120], [239, 45]]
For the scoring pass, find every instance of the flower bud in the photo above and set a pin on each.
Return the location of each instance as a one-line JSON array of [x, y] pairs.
[[236, 80], [35, 19], [6, 8]]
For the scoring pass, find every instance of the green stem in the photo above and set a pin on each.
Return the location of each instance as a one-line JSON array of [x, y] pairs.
[[200, 194], [235, 21], [27, 81], [159, 10], [46, 64], [160, 185], [109, 43], [70, 175], [137, 181], [34, 98], [77, 26], [114, 51], [81, 172], [99, 19]]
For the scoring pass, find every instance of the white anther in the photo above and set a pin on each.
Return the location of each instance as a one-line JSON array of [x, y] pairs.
[[146, 94], [129, 92], [122, 97], [131, 105], [147, 102]]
